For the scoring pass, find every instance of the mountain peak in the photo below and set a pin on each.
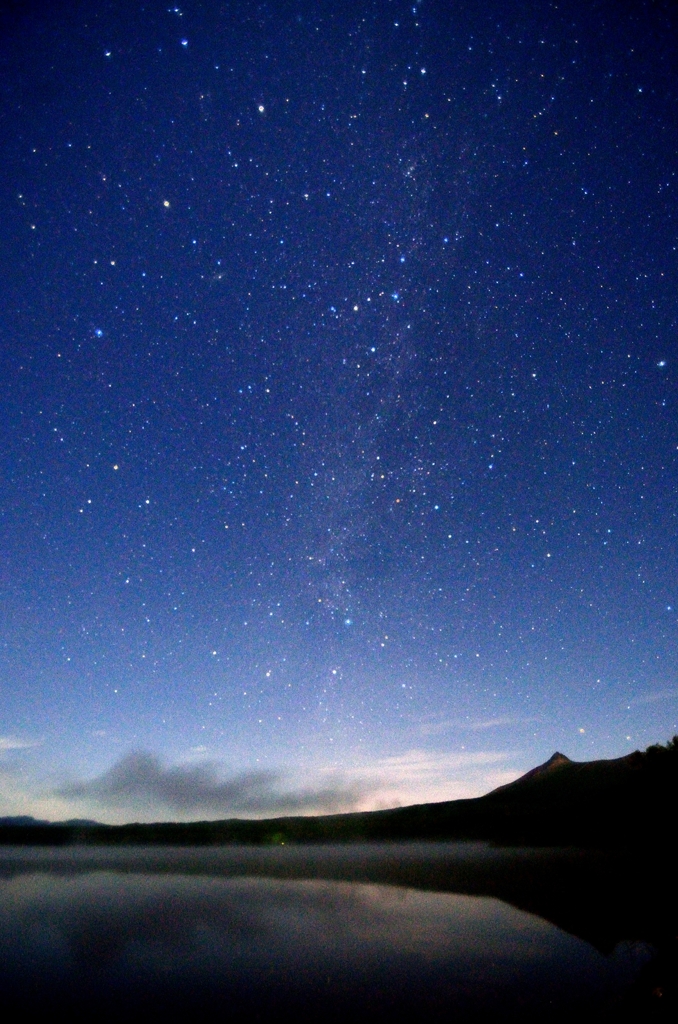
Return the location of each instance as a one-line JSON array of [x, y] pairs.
[[556, 760]]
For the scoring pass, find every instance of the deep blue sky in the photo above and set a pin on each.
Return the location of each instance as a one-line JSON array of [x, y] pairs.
[[339, 416]]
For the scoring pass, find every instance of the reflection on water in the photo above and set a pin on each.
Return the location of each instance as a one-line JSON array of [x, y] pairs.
[[157, 931]]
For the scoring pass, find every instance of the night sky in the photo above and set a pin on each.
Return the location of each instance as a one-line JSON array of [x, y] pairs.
[[339, 426]]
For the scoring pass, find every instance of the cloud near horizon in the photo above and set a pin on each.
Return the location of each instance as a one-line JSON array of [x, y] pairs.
[[140, 787], [140, 782]]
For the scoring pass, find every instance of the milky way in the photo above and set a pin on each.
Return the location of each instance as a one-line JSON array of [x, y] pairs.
[[339, 397]]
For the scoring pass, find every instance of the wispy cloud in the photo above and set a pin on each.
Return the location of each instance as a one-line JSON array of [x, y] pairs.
[[14, 743], [652, 698], [425, 762], [140, 782], [437, 728], [498, 723], [419, 776]]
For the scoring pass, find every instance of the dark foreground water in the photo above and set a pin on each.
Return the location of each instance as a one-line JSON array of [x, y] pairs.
[[413, 932]]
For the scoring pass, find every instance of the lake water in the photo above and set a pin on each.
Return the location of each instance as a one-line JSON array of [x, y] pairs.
[[327, 933]]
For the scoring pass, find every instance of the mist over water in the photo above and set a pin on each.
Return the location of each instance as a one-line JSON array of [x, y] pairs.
[[136, 929]]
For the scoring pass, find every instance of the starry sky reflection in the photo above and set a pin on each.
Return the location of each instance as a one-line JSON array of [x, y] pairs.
[[339, 426]]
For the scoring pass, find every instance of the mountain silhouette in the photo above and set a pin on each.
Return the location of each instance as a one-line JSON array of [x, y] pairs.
[[622, 801]]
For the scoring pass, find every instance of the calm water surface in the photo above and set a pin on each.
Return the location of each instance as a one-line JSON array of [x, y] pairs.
[[324, 934]]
